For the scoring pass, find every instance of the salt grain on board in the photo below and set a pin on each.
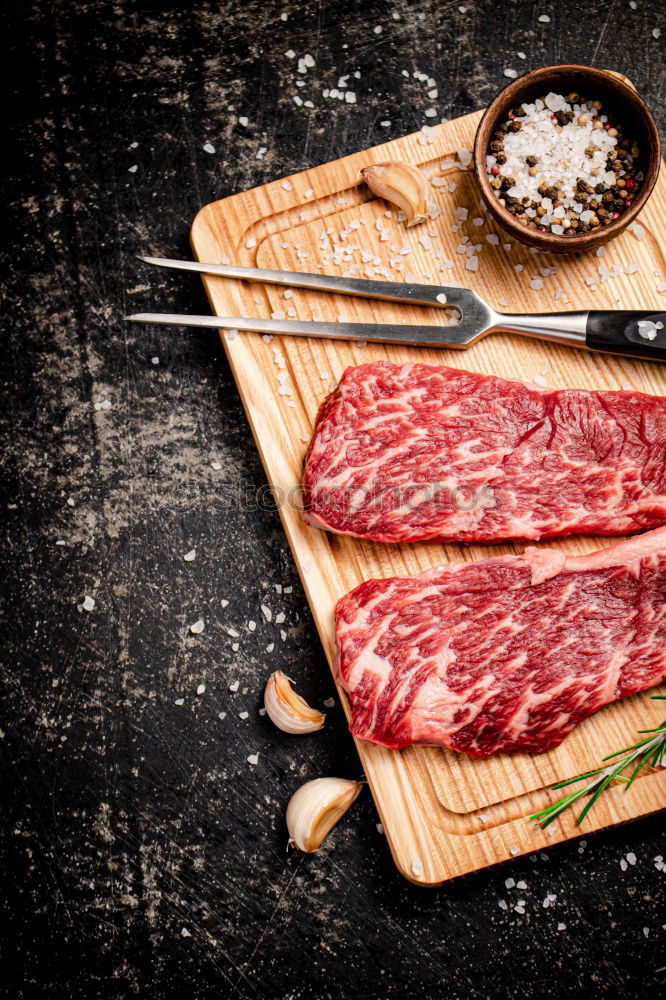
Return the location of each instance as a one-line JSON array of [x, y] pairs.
[[197, 627], [88, 603]]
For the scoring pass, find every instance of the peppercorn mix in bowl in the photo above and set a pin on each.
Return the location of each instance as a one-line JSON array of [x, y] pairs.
[[567, 157]]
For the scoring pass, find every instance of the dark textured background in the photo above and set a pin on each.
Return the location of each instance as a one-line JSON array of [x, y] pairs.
[[142, 855]]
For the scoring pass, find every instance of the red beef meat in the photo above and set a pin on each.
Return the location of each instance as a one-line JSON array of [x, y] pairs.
[[507, 654], [403, 453]]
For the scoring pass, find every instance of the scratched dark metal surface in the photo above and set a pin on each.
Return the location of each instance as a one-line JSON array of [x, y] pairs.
[[142, 855]]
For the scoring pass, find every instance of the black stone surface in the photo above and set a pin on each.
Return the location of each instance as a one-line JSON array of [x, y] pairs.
[[141, 854]]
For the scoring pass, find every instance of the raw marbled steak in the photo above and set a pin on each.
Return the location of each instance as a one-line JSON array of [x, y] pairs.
[[403, 453], [507, 654]]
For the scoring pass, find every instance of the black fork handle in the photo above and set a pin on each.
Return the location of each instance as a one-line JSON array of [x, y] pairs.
[[633, 334]]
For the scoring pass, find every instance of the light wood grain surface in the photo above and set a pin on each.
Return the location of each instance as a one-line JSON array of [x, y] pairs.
[[444, 814]]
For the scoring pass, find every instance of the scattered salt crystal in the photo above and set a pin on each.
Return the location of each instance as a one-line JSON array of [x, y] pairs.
[[179, 701], [197, 627], [510, 883], [190, 556], [252, 625], [133, 169], [185, 933], [70, 501], [536, 283], [647, 329], [287, 185], [250, 243], [631, 858], [492, 238], [224, 602], [216, 466], [623, 864], [243, 715], [380, 828], [511, 73], [290, 53], [472, 264], [515, 850], [155, 360], [521, 55], [329, 702], [441, 298], [209, 147], [234, 686], [385, 124], [632, 267], [88, 603], [253, 759], [477, 222], [417, 867], [221, 715], [201, 688], [544, 18], [638, 230], [518, 268], [646, 931], [656, 33], [521, 885], [243, 121], [270, 647], [503, 904], [561, 927]]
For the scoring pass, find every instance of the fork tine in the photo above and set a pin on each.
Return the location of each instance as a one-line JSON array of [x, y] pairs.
[[395, 291]]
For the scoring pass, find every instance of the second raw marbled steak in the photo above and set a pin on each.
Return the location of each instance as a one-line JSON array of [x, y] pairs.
[[403, 453], [507, 654]]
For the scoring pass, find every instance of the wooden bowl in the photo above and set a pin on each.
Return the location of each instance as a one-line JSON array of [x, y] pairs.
[[620, 101]]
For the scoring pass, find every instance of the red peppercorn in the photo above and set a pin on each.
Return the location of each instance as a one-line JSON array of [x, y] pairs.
[[553, 118], [543, 229], [628, 202], [494, 171], [629, 184], [615, 215]]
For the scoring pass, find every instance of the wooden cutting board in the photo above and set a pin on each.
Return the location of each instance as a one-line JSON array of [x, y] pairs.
[[444, 814]]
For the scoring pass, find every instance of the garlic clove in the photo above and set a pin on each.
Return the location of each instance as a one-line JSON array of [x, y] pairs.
[[316, 807], [288, 710], [403, 185]]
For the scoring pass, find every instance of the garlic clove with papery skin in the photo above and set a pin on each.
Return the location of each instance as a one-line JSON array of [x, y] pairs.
[[316, 807], [403, 185], [288, 710]]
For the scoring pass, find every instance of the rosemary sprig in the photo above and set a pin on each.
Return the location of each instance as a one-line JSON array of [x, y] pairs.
[[651, 750]]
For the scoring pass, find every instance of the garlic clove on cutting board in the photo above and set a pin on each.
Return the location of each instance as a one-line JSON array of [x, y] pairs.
[[403, 185], [288, 710], [316, 807]]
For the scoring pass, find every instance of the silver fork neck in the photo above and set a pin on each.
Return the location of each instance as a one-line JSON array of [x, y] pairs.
[[560, 328]]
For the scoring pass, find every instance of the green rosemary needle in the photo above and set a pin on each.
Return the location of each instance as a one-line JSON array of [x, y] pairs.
[[649, 751]]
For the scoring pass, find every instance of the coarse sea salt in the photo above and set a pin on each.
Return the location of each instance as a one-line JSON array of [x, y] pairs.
[[562, 160]]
